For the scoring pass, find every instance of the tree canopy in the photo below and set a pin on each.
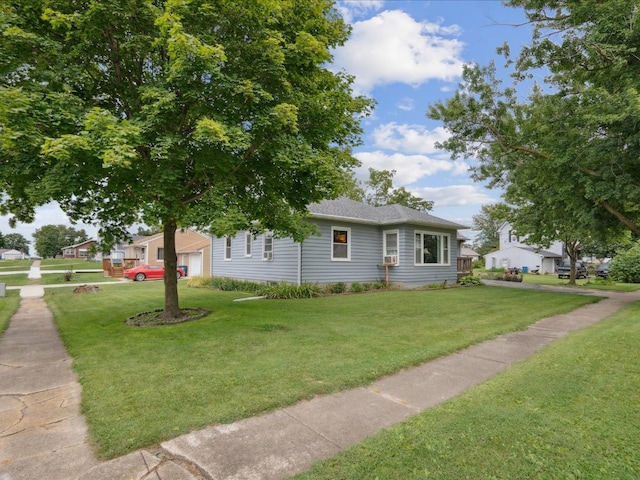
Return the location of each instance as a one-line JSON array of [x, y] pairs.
[[488, 223], [217, 114], [16, 241], [567, 154], [378, 190], [51, 239]]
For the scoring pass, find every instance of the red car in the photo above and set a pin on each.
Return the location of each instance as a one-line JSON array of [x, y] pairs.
[[148, 272]]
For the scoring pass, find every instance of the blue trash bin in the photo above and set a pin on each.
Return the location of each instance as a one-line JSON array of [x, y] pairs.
[[525, 269], [183, 268]]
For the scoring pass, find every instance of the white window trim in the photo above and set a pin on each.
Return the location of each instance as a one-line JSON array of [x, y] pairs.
[[248, 244], [267, 256], [440, 263], [340, 259], [384, 245], [227, 249]]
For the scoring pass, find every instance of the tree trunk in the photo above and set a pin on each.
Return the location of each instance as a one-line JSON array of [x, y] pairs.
[[573, 249], [171, 304]]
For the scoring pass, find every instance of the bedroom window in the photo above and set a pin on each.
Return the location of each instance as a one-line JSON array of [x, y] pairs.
[[340, 244], [390, 247], [248, 243], [227, 248], [431, 248], [160, 253], [267, 246]]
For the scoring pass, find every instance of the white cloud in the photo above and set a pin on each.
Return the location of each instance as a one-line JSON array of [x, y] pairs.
[[409, 138], [350, 9], [393, 47], [455, 195], [409, 168], [406, 104]]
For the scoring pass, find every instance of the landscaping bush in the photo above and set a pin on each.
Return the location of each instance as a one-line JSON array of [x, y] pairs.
[[625, 267], [470, 280]]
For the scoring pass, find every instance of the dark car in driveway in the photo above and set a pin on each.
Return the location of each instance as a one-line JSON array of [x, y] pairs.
[[602, 270], [564, 270]]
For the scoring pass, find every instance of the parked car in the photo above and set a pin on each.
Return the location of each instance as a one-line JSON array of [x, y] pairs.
[[564, 270], [602, 270], [148, 272]]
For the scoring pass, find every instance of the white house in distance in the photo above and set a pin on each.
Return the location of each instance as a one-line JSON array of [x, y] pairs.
[[514, 252], [10, 254]]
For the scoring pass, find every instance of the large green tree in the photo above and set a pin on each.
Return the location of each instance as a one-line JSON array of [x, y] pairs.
[[16, 241], [207, 113], [51, 239], [378, 190], [488, 223], [571, 145]]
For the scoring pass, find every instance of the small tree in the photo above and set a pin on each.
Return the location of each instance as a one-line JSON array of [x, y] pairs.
[[625, 266]]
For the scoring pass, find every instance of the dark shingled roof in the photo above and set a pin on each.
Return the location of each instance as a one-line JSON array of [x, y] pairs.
[[349, 210]]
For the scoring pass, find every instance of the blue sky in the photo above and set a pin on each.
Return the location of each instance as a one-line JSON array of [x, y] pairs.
[[406, 54]]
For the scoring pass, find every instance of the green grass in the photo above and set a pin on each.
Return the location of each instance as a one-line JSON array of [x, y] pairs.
[[16, 279], [82, 277], [69, 264], [8, 306], [145, 385], [569, 412], [15, 265], [590, 283]]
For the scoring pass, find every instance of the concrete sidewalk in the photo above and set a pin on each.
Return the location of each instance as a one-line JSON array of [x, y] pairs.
[[43, 435]]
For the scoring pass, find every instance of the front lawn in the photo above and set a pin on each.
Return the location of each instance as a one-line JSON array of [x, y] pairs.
[[76, 277], [8, 306], [592, 282], [142, 385], [568, 412], [16, 279], [15, 265], [69, 264]]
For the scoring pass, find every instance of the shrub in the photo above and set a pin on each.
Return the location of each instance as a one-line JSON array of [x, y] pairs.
[[356, 287], [68, 275], [625, 267], [339, 287], [288, 291], [470, 280]]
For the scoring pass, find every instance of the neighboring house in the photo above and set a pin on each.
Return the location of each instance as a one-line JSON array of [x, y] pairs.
[[193, 250], [469, 253], [80, 250], [356, 243], [9, 254], [514, 252]]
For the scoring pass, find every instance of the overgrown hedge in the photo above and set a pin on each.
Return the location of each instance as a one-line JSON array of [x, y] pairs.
[[285, 290]]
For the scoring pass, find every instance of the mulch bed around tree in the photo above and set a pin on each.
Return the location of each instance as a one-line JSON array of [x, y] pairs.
[[155, 317]]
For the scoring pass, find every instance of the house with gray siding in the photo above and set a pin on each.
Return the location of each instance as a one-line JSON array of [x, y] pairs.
[[355, 242]]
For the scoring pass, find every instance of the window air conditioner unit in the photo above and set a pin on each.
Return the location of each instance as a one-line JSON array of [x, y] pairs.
[[390, 259]]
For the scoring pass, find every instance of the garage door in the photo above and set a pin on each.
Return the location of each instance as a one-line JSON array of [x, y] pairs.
[[195, 264]]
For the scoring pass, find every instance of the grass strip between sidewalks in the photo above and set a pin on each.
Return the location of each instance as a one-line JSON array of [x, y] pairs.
[[142, 385], [8, 306], [569, 412]]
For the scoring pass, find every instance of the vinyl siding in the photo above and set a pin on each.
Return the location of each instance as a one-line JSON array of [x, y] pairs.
[[410, 274], [283, 267], [366, 255], [365, 264]]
